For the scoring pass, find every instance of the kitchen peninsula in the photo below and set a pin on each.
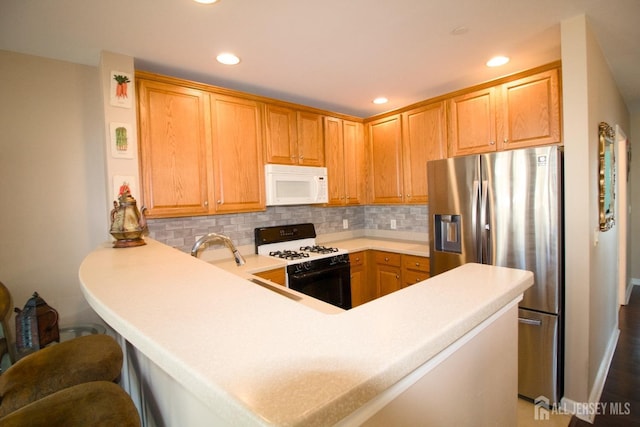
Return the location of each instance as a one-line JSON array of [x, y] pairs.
[[208, 347]]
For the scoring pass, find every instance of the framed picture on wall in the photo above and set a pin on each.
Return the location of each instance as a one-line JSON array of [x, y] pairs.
[[123, 143], [120, 93]]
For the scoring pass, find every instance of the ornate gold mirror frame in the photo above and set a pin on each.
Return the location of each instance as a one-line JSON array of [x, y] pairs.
[[607, 176]]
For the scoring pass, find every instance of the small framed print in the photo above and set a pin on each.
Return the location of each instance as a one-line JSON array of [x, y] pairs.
[[123, 141], [120, 90]]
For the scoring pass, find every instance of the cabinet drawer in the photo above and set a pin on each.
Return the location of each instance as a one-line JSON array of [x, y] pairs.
[[276, 275], [357, 258], [387, 258], [416, 263], [409, 277]]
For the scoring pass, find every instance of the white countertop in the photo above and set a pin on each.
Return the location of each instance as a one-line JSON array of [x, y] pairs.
[[259, 358]]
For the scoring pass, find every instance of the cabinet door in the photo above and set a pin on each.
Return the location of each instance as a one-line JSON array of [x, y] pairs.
[[335, 160], [424, 139], [530, 111], [472, 123], [172, 123], [281, 142], [387, 272], [385, 150], [362, 289], [237, 154], [310, 139], [277, 275], [353, 162]]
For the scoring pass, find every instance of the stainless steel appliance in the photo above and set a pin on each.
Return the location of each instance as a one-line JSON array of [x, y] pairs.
[[318, 271], [505, 209]]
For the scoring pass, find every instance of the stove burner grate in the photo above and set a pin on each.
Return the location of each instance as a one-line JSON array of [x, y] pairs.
[[288, 254], [318, 249]]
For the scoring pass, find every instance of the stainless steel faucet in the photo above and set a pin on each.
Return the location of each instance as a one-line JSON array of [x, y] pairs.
[[220, 239]]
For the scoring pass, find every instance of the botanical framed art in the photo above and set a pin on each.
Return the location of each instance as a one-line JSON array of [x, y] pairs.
[[119, 90], [122, 140]]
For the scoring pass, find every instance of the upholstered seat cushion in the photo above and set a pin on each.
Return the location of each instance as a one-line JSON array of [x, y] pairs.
[[79, 360], [97, 403]]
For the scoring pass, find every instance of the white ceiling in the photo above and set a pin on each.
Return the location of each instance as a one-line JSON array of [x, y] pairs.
[[332, 54]]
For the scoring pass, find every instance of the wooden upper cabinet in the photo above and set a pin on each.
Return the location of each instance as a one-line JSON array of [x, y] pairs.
[[293, 137], [385, 160], [344, 156], [424, 138], [530, 111], [524, 112], [281, 135], [472, 122], [310, 139], [172, 123], [354, 159], [238, 180]]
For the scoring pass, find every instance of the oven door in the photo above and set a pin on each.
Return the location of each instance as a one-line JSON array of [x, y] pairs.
[[332, 284]]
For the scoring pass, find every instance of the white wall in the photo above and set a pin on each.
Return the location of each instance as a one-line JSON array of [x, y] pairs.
[[590, 96], [634, 182], [52, 186]]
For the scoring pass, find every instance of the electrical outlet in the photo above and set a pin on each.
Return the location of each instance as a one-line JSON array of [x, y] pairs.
[[345, 223], [393, 224]]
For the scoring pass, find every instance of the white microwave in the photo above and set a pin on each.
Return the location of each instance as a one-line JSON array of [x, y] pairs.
[[295, 185]]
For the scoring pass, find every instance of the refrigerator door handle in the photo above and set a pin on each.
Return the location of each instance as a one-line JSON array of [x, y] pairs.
[[533, 322], [485, 231], [476, 221]]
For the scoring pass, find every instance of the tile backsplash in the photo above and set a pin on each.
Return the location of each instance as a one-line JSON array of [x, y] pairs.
[[181, 233]]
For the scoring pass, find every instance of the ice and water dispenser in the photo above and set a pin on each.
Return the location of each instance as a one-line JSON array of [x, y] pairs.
[[447, 233]]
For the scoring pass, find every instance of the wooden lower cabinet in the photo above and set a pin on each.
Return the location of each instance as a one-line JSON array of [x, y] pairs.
[[414, 269], [277, 275], [361, 289], [386, 272], [377, 273]]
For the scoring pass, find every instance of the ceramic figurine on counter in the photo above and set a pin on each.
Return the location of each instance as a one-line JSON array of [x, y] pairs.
[[128, 225]]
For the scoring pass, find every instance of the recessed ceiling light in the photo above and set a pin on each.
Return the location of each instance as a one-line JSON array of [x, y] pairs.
[[380, 100], [205, 1], [227, 59], [497, 61]]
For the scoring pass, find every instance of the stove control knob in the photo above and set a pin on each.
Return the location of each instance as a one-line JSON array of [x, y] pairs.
[[306, 265]]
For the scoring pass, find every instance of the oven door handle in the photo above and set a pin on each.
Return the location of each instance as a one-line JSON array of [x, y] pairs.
[[308, 274]]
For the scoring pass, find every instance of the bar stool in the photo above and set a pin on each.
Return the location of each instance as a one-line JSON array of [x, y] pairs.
[[47, 371]]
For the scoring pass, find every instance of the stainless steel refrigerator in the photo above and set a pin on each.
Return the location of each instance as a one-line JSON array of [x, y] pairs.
[[505, 209]]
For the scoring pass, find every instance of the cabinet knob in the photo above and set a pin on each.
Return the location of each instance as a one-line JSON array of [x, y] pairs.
[[386, 259], [417, 264], [219, 202], [492, 143], [206, 203], [506, 140], [301, 157]]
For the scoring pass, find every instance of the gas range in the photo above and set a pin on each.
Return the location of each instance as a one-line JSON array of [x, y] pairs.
[[293, 243], [318, 271]]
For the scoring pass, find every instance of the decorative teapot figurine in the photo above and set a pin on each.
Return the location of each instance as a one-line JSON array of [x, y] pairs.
[[127, 223]]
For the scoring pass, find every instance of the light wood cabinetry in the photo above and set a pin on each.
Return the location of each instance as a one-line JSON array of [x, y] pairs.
[[385, 160], [386, 272], [200, 152], [472, 122], [424, 138], [293, 137], [277, 275], [344, 155], [238, 179], [530, 112], [414, 269], [173, 123], [281, 141], [520, 113], [362, 290]]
